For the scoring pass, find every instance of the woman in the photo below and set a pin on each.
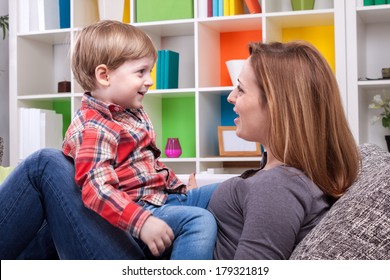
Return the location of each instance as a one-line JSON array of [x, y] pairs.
[[287, 99]]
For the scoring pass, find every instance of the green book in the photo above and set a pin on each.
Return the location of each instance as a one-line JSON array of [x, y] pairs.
[[155, 10]]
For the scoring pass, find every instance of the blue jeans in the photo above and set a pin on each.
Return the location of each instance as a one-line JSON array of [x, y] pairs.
[[194, 227], [42, 215]]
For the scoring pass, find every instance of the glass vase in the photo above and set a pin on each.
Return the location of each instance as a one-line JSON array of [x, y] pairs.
[[173, 148], [298, 5]]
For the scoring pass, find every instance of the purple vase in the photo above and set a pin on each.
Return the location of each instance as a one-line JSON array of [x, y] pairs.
[[173, 148]]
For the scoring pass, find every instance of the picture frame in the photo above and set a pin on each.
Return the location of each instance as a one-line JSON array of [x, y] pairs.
[[231, 145]]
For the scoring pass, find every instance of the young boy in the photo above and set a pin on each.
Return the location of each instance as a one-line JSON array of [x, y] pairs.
[[112, 142]]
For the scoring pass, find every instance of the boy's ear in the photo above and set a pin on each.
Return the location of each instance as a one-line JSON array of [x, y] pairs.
[[101, 74]]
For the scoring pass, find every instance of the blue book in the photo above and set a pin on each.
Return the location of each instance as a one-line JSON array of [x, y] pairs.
[[220, 7], [215, 8], [171, 73], [64, 6], [160, 69]]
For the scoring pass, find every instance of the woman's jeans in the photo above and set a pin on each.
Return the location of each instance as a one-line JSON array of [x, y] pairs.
[[42, 215]]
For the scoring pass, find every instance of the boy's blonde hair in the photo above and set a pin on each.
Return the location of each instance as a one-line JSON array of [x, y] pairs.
[[107, 42]]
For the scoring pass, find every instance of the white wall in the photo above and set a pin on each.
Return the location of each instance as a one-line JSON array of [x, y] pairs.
[[4, 87]]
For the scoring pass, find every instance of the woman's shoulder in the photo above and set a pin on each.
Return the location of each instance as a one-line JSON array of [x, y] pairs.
[[286, 179]]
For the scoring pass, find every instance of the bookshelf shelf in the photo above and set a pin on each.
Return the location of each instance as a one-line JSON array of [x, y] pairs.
[[195, 109], [368, 28]]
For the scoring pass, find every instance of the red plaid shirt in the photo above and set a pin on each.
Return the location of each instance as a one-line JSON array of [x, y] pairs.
[[116, 163]]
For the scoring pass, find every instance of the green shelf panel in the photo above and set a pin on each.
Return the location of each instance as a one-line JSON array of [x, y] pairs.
[[178, 121], [63, 107]]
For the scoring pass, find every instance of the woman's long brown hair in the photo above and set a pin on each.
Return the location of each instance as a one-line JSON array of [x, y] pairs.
[[308, 130]]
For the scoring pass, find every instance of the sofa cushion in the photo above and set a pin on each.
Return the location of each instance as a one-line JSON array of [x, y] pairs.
[[1, 149], [4, 172], [358, 225]]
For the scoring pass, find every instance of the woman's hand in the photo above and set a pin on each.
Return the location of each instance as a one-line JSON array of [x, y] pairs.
[[192, 182]]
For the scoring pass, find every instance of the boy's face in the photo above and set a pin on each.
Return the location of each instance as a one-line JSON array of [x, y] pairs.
[[129, 83]]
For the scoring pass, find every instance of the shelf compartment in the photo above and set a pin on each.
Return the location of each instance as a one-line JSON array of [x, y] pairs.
[[373, 14], [238, 50], [215, 111], [369, 131], [178, 38], [215, 47], [61, 104], [173, 115], [373, 40], [301, 19], [272, 6], [315, 27], [42, 62]]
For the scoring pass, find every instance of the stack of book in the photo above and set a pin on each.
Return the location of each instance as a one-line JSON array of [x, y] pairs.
[[38, 129], [40, 15], [215, 8], [167, 69]]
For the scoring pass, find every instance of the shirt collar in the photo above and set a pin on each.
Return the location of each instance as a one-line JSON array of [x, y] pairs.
[[88, 101]]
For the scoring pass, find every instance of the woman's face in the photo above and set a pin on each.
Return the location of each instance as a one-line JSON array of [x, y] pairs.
[[252, 115]]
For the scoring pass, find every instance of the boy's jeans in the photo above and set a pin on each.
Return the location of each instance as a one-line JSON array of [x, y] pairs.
[[194, 227]]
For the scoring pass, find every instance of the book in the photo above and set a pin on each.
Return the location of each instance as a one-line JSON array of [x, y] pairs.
[[171, 69], [159, 70], [236, 7], [203, 8], [226, 7], [50, 129], [253, 6], [167, 69], [48, 14], [126, 12], [155, 10], [215, 8], [24, 18], [23, 133], [153, 74], [39, 129], [210, 8], [64, 6], [220, 7], [33, 140], [33, 21]]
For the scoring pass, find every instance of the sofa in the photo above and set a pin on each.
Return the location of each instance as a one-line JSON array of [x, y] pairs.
[[1, 149], [357, 227]]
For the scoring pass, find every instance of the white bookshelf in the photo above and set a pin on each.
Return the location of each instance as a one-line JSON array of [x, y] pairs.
[[368, 41], [39, 59]]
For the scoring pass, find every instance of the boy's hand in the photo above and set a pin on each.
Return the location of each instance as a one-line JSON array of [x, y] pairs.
[[157, 235], [192, 182]]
